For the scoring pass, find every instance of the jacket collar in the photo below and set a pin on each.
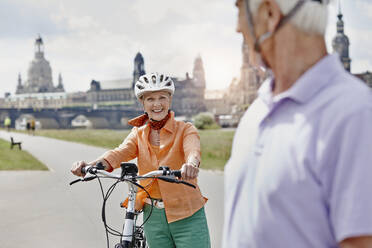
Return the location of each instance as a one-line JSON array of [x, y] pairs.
[[169, 125]]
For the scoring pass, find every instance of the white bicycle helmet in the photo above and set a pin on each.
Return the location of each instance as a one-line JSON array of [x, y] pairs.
[[153, 82]]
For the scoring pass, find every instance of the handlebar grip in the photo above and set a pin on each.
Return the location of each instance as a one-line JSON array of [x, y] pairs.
[[92, 169], [177, 173]]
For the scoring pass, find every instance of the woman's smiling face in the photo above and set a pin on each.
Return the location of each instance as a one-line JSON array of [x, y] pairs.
[[156, 104]]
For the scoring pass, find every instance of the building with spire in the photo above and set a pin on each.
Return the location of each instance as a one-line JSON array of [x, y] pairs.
[[198, 73], [341, 42], [243, 90], [188, 99], [139, 68], [229, 105], [341, 45], [39, 74]]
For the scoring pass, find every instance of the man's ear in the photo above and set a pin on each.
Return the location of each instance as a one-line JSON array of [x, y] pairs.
[[269, 15], [274, 14]]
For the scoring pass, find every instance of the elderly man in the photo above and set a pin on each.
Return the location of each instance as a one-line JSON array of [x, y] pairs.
[[300, 172]]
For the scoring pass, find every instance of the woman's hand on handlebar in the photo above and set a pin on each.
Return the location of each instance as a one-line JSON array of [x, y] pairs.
[[188, 171], [77, 166]]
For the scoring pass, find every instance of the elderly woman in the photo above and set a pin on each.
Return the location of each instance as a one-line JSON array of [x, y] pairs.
[[157, 139]]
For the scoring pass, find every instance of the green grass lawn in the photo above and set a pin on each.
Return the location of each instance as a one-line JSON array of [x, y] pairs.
[[215, 144], [215, 147], [16, 159]]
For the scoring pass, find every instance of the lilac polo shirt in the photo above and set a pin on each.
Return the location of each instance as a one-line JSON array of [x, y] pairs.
[[300, 172]]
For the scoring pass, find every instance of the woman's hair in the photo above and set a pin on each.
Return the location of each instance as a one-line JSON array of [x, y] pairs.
[[310, 18]]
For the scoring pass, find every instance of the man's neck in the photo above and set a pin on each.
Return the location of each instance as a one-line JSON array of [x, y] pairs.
[[292, 54]]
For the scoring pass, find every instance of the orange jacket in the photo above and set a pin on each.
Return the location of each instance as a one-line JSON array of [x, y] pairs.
[[178, 141]]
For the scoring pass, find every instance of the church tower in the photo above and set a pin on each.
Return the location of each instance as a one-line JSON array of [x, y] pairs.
[[60, 83], [19, 85], [139, 68], [341, 43], [198, 73]]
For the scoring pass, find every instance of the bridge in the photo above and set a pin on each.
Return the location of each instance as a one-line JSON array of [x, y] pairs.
[[113, 118]]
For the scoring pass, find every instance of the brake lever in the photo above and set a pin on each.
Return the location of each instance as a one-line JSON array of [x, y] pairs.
[[167, 179], [173, 180], [83, 180], [186, 183], [75, 181]]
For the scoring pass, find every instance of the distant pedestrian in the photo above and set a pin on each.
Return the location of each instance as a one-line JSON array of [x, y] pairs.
[[7, 123], [28, 126], [300, 169], [32, 124]]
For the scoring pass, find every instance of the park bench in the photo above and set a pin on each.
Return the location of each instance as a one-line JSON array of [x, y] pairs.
[[15, 144]]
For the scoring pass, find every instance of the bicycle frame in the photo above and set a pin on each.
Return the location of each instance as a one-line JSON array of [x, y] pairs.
[[129, 223], [129, 175]]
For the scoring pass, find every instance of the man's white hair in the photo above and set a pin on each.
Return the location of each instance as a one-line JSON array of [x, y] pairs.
[[311, 17]]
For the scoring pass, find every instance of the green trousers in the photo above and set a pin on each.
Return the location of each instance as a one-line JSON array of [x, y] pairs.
[[191, 232]]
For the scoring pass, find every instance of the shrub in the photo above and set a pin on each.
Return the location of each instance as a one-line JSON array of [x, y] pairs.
[[205, 121]]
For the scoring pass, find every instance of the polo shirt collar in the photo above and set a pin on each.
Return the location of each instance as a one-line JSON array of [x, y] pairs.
[[312, 81]]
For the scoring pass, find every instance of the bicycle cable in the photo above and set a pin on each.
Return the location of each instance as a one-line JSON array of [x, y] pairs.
[[108, 229]]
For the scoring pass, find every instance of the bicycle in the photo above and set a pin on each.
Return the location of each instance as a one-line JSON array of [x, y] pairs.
[[131, 235]]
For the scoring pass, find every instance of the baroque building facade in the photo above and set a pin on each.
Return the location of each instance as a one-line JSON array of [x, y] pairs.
[[188, 98], [243, 91], [106, 104]]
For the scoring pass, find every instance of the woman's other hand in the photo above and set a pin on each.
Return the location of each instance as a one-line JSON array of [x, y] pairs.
[[76, 168], [189, 171]]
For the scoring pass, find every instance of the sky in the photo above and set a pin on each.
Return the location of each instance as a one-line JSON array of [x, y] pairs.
[[94, 39]]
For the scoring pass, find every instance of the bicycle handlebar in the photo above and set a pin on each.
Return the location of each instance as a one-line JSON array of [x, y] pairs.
[[163, 174]]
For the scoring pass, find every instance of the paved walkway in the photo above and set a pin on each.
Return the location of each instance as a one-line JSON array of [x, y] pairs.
[[40, 209]]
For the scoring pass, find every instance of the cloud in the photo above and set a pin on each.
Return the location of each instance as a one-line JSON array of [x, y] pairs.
[[23, 19], [87, 40], [365, 8]]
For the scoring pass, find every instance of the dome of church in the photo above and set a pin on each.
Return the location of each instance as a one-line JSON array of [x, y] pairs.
[[39, 74]]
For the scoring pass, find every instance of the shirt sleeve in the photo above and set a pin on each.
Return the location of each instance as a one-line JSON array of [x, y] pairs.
[[127, 151], [191, 142], [350, 199]]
